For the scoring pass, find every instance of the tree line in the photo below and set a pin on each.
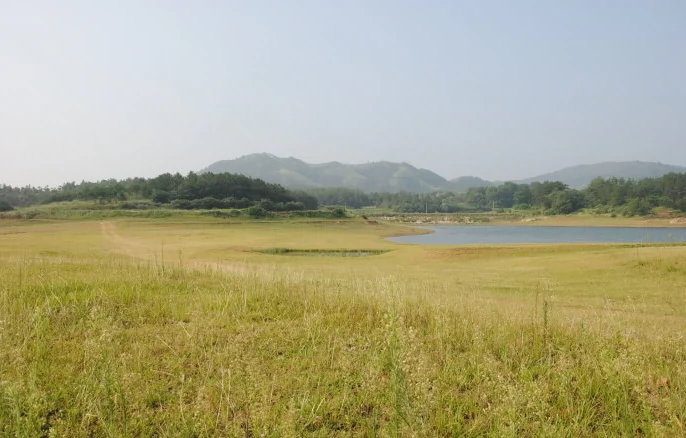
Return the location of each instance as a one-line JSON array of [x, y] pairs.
[[193, 191], [618, 195], [227, 191]]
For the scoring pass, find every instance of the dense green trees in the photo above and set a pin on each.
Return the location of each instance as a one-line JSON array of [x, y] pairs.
[[204, 191], [352, 198], [668, 191], [629, 197], [5, 206], [230, 191], [23, 196]]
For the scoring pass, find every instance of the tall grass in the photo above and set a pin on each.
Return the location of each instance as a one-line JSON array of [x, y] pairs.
[[111, 347]]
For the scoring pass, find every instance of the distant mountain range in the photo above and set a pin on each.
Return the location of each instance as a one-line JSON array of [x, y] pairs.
[[464, 183], [387, 176], [579, 176], [371, 177]]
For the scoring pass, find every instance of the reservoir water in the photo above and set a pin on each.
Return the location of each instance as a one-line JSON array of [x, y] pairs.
[[476, 234]]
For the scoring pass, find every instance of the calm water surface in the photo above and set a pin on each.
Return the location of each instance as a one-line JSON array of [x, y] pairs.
[[475, 234]]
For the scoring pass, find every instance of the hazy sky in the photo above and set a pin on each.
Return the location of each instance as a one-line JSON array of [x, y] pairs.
[[498, 89]]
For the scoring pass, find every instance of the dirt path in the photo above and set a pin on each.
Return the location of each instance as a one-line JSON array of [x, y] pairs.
[[129, 247], [136, 249]]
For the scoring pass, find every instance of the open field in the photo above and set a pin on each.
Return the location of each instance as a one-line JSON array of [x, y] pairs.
[[202, 327]]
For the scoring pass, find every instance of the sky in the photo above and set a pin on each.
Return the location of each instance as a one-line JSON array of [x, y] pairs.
[[496, 89]]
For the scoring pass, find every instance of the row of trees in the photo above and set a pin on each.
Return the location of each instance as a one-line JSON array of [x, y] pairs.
[[11, 197], [193, 191], [225, 190], [630, 196]]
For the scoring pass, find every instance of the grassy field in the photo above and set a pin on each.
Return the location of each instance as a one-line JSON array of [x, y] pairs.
[[201, 327]]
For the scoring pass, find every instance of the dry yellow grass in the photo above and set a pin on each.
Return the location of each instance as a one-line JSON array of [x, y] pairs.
[[172, 327]]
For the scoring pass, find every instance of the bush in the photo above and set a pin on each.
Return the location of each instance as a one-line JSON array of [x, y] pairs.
[[32, 214], [565, 201], [209, 203], [5, 206], [294, 206], [637, 207], [338, 213], [161, 196], [136, 206], [334, 213], [603, 209], [221, 214], [257, 212], [268, 205], [182, 204]]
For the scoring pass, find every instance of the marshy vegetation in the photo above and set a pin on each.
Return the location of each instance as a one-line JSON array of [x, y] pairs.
[[323, 252]]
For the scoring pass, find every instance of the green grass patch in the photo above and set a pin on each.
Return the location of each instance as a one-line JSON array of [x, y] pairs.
[[323, 252], [110, 347]]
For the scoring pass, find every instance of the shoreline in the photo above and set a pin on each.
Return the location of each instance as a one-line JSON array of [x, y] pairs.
[[538, 221]]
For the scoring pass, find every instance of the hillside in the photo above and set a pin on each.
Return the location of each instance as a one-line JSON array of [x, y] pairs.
[[581, 175], [385, 176], [291, 172], [464, 183]]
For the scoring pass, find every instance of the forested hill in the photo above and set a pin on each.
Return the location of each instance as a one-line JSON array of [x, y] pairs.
[[291, 172], [582, 175], [391, 177], [464, 183]]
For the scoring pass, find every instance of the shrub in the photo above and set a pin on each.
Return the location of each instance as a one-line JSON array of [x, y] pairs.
[[161, 196], [5, 206], [338, 213], [637, 207], [209, 203], [267, 205], [294, 206], [257, 212], [182, 204]]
